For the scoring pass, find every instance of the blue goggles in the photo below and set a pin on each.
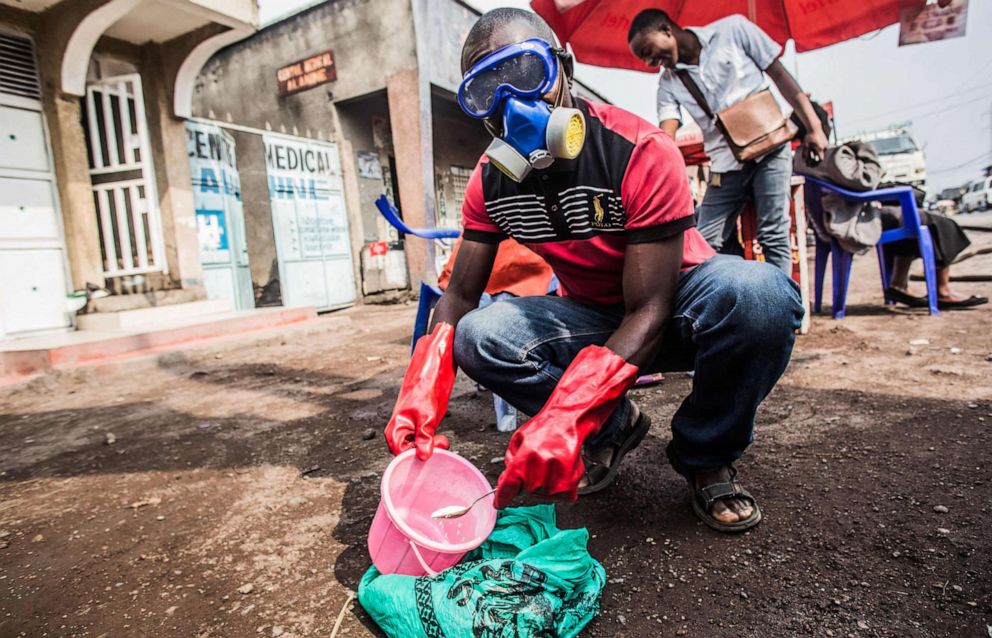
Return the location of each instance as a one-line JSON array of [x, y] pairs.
[[525, 69]]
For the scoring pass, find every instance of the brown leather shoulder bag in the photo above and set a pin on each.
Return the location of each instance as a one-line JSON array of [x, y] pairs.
[[752, 127]]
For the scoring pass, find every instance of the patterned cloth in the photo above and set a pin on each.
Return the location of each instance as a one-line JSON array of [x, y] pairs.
[[528, 579]]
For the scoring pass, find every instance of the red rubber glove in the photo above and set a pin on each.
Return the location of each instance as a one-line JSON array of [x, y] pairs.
[[424, 395], [544, 454]]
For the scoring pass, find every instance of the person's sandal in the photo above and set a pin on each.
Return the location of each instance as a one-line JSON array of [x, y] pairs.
[[600, 476], [703, 499]]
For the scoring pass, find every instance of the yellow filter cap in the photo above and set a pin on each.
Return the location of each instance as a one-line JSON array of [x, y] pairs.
[[566, 132], [575, 135]]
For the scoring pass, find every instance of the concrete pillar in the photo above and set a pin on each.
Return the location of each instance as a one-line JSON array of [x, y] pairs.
[[412, 143], [353, 205], [82, 234], [173, 181], [63, 114]]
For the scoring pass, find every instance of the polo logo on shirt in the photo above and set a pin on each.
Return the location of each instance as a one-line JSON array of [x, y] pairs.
[[589, 209], [599, 215]]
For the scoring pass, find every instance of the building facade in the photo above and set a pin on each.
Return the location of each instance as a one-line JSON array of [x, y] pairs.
[[165, 152], [382, 96], [95, 189]]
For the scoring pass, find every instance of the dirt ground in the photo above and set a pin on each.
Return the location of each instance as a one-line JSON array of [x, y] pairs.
[[227, 490]]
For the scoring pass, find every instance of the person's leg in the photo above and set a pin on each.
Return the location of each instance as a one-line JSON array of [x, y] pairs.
[[900, 272], [721, 205], [944, 283], [519, 349], [506, 414], [741, 316], [769, 184]]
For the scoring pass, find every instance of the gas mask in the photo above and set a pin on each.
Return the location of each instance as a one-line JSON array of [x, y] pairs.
[[508, 84]]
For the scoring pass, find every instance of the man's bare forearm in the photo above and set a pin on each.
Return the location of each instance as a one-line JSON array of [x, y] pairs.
[[638, 339], [669, 126], [794, 95], [469, 275], [451, 309], [650, 281]]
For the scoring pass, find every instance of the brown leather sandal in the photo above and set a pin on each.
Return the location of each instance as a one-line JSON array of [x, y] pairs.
[[599, 476], [703, 499]]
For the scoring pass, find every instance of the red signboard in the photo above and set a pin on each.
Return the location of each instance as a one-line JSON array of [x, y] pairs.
[[377, 248], [306, 74]]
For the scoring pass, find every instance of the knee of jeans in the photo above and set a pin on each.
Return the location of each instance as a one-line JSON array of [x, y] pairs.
[[477, 340], [765, 303]]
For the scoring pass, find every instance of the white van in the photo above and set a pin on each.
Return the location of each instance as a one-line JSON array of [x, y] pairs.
[[978, 196], [901, 157]]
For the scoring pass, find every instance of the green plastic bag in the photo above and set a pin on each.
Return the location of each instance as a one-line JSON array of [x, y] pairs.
[[528, 579]]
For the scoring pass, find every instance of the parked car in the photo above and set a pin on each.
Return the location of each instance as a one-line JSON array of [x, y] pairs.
[[978, 195], [949, 200]]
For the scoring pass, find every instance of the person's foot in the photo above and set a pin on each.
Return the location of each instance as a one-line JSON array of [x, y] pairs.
[[605, 455], [730, 510]]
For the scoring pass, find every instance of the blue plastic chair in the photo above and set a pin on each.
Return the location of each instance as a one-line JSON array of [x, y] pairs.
[[429, 296], [393, 217], [842, 260]]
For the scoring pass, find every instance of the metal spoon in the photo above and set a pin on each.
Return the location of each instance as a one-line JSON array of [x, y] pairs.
[[457, 511]]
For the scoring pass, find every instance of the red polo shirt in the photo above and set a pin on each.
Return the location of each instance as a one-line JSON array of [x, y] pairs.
[[627, 186]]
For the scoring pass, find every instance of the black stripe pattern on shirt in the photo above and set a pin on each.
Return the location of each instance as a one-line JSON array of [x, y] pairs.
[[573, 200]]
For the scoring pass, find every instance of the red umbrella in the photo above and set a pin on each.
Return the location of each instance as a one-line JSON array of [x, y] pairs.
[[597, 29]]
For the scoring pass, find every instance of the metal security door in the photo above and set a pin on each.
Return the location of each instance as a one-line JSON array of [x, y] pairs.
[[123, 177], [220, 218], [33, 273], [313, 244]]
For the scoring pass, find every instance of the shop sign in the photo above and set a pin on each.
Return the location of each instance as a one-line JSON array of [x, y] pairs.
[[304, 189], [932, 22], [306, 74], [310, 221], [216, 188]]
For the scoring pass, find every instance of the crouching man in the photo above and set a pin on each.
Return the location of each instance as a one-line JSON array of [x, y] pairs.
[[602, 196]]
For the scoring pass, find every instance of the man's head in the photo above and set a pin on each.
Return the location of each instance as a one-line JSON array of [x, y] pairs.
[[653, 38], [504, 26], [517, 82]]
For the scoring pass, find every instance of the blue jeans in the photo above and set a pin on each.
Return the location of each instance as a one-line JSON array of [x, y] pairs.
[[734, 323], [506, 414], [767, 183]]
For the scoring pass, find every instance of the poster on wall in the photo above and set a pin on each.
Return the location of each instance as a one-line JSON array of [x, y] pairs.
[[935, 21], [369, 166], [310, 220], [219, 214]]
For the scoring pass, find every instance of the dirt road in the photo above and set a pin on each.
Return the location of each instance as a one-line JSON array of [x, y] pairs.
[[226, 491]]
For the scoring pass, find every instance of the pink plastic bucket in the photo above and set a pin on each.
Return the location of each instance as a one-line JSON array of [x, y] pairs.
[[404, 539]]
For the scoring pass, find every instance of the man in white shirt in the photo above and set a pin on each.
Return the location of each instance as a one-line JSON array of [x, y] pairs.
[[728, 60]]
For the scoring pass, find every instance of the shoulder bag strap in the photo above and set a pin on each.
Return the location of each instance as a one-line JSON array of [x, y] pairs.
[[694, 91]]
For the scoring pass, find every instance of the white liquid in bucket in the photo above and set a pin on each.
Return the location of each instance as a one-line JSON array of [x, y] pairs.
[[448, 512], [453, 531]]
